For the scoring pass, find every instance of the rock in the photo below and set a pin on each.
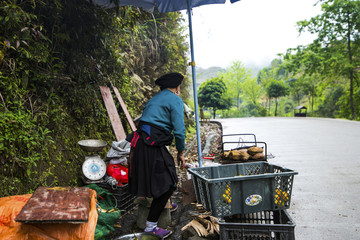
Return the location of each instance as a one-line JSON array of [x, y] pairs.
[[189, 233], [196, 238], [143, 212]]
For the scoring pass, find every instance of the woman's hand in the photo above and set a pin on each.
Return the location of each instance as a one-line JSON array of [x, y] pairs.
[[181, 159]]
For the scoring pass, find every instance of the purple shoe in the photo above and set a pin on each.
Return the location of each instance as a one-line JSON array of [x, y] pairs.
[[163, 233], [173, 207]]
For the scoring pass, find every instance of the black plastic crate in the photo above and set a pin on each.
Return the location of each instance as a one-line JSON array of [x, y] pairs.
[[242, 188], [125, 201], [265, 225]]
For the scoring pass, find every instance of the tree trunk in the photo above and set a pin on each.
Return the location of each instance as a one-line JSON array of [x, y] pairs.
[[214, 112], [298, 99], [269, 105], [312, 104], [351, 71], [276, 103], [238, 101], [352, 96], [311, 99]]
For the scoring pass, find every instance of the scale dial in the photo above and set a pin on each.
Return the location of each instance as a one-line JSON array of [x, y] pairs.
[[94, 168]]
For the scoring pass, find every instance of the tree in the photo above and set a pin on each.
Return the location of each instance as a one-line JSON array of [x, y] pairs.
[[274, 72], [234, 77], [338, 41], [212, 95], [330, 107], [296, 89], [252, 90], [276, 89], [310, 85]]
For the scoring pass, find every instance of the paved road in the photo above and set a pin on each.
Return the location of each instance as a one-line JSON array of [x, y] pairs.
[[325, 152]]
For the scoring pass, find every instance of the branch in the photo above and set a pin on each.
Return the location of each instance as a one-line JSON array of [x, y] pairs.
[[3, 101]]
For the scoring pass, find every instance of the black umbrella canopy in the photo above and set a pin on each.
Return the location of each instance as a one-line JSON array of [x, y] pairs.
[[162, 5]]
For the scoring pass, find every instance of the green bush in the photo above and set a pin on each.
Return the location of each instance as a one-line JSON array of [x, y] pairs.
[[330, 107], [54, 55]]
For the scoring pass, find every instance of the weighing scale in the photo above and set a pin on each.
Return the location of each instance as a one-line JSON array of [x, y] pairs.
[[93, 168]]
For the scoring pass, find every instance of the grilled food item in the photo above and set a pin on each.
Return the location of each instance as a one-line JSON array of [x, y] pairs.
[[226, 154], [254, 150], [258, 157], [239, 155]]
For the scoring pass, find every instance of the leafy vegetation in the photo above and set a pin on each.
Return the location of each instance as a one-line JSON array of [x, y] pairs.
[[235, 76], [323, 76], [276, 89], [54, 55], [333, 57], [212, 95]]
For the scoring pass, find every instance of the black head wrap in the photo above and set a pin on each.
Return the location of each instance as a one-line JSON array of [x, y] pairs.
[[170, 80]]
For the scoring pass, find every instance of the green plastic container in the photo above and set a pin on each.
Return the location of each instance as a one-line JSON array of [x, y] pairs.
[[242, 188]]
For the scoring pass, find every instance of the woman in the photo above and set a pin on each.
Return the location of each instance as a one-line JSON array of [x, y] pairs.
[[152, 171]]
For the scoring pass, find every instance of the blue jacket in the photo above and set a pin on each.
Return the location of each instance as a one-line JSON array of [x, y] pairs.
[[166, 110]]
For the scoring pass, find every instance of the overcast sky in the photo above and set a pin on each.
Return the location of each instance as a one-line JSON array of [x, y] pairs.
[[250, 31]]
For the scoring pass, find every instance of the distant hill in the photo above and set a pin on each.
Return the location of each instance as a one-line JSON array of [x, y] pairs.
[[254, 68], [203, 74]]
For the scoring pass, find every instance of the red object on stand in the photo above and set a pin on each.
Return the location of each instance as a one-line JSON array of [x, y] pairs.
[[119, 172]]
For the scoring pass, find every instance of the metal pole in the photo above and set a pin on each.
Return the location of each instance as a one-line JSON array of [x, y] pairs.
[[194, 84]]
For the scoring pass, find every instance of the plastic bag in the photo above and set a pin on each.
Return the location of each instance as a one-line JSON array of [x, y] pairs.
[[119, 172]]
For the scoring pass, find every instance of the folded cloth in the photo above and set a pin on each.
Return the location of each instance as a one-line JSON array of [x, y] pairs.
[[119, 149], [118, 160]]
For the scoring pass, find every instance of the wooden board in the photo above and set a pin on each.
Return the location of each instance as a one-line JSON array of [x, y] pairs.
[[123, 106], [188, 191], [55, 205], [113, 113]]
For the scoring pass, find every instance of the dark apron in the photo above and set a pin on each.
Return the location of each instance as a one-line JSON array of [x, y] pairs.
[[152, 169]]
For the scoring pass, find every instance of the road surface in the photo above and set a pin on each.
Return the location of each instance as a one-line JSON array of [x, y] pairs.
[[325, 152]]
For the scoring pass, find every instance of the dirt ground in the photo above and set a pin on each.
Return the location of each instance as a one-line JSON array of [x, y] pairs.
[[181, 217], [184, 214]]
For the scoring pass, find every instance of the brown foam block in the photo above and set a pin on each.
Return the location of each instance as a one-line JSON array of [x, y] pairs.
[[55, 205]]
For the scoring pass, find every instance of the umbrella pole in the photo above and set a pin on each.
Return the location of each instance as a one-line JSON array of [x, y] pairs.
[[194, 84]]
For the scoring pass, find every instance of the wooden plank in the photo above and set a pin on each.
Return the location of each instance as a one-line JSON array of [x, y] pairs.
[[123, 106], [188, 192], [56, 205], [113, 113]]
